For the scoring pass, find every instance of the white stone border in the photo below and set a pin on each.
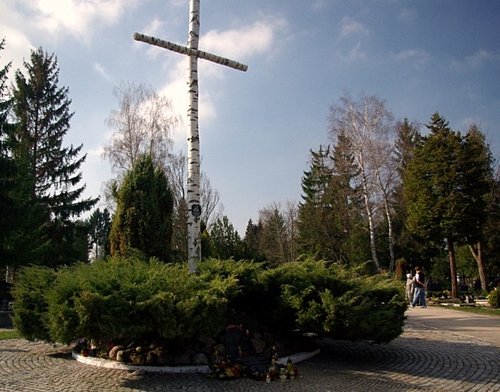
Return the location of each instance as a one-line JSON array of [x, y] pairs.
[[204, 369]]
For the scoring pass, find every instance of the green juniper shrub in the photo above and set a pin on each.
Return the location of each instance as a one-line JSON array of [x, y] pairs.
[[249, 291], [30, 302], [494, 298], [333, 301], [127, 299], [294, 293], [373, 311], [130, 299]]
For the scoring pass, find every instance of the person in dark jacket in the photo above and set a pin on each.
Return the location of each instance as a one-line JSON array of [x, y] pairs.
[[420, 287]]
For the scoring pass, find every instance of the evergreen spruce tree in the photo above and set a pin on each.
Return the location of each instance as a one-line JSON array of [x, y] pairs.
[[313, 223], [273, 238], [347, 205], [477, 163], [225, 241], [445, 189], [143, 218], [7, 171], [47, 190], [330, 225], [251, 242], [99, 226], [408, 139]]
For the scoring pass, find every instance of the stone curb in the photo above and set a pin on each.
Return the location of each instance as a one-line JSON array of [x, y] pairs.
[[109, 364]]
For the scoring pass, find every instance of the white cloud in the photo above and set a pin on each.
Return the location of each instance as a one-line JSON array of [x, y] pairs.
[[407, 16], [154, 28], [349, 27], [241, 43], [416, 56], [318, 5], [17, 48], [101, 71], [237, 44], [17, 42], [177, 3], [476, 60], [177, 91], [355, 54], [481, 56], [76, 17]]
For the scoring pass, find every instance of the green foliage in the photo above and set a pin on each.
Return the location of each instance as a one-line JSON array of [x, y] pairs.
[[47, 194], [7, 170], [129, 298], [338, 302], [143, 218], [30, 302], [120, 299], [10, 334], [494, 298], [251, 242], [224, 240], [99, 226], [274, 239], [250, 288], [330, 223]]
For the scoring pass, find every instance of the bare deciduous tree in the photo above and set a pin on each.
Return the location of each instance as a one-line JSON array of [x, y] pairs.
[[212, 207], [366, 123], [386, 180], [142, 124], [279, 232]]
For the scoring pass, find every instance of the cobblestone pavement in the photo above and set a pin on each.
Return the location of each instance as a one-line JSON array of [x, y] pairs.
[[421, 358]]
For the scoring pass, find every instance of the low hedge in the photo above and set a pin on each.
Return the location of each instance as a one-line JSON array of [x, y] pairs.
[[131, 299]]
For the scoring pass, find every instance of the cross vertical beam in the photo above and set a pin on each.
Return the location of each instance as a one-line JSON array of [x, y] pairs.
[[193, 180], [193, 138]]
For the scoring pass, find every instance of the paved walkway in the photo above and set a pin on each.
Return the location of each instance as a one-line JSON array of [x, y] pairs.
[[440, 350]]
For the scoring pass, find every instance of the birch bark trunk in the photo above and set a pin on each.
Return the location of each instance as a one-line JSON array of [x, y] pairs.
[[385, 196], [193, 181], [478, 256], [369, 212]]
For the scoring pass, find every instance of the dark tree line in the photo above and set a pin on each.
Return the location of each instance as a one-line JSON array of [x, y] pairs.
[[412, 197]]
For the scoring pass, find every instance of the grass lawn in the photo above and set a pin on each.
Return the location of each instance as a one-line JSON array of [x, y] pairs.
[[9, 334], [477, 310]]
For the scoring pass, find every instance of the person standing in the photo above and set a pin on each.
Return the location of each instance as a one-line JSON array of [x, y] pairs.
[[420, 286], [409, 288]]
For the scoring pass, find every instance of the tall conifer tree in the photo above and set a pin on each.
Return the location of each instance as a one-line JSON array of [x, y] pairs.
[[7, 170], [314, 225], [48, 186], [143, 218], [477, 161], [446, 186]]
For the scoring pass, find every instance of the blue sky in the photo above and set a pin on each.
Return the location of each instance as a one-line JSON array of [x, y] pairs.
[[256, 128]]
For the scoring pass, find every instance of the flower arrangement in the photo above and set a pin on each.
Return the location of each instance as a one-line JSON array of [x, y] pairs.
[[225, 369]]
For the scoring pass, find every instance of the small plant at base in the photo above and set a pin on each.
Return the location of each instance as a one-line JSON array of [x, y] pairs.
[[494, 298]]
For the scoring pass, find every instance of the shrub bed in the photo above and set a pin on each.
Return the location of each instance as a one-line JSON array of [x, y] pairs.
[[127, 299]]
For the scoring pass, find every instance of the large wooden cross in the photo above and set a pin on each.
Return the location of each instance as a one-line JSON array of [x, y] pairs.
[[193, 181]]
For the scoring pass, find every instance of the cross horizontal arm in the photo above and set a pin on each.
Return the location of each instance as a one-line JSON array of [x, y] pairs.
[[190, 52]]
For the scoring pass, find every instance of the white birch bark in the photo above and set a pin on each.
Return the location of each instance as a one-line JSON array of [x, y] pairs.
[[385, 173], [369, 213], [193, 181]]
